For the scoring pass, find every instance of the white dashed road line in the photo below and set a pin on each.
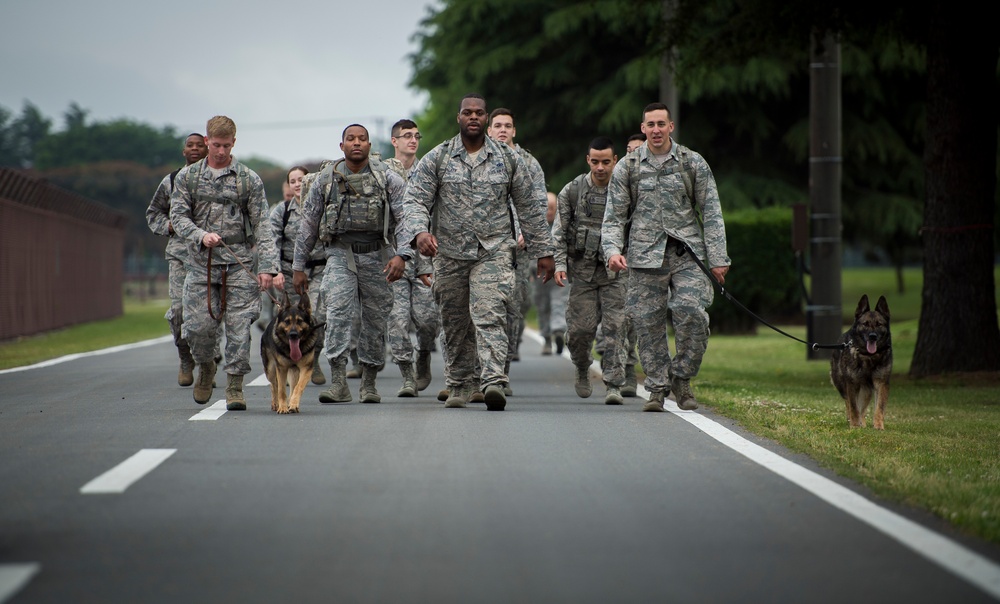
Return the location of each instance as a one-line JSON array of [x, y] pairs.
[[14, 576], [217, 410], [122, 476]]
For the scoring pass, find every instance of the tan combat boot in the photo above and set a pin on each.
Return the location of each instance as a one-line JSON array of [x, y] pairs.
[[234, 393], [459, 397], [317, 376], [655, 402], [583, 387], [185, 375], [613, 396], [631, 383], [367, 391], [338, 392], [547, 346], [409, 388], [683, 394], [206, 382], [423, 376]]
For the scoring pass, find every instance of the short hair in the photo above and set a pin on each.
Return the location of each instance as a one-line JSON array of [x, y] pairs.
[[655, 107], [343, 135], [403, 124], [194, 134], [471, 95], [501, 111], [601, 143], [220, 126], [302, 169], [637, 137]]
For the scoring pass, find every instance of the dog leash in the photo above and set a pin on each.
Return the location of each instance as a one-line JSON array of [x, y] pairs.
[[222, 302], [724, 292]]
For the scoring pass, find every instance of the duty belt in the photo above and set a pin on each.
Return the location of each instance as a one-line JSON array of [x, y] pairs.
[[309, 263], [364, 248]]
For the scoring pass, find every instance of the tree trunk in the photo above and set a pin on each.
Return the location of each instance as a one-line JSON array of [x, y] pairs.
[[958, 328]]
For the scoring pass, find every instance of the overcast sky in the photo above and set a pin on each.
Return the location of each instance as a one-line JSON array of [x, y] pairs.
[[292, 75]]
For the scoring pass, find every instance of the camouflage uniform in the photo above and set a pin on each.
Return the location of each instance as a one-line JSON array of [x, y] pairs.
[[474, 270], [212, 204], [285, 230], [158, 219], [597, 295], [412, 301], [354, 264], [669, 200], [521, 300]]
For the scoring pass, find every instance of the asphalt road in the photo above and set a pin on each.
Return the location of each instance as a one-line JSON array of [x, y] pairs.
[[115, 487]]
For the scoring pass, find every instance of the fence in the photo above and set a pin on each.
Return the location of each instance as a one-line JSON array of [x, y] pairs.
[[60, 257]]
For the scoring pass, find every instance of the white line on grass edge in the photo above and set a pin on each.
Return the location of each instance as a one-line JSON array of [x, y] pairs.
[[93, 353]]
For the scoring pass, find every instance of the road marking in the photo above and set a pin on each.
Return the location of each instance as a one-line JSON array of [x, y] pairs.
[[122, 476], [217, 410], [15, 576], [260, 380], [93, 353], [978, 570]]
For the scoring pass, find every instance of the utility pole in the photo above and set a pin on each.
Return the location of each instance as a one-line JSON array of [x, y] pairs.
[[668, 90], [823, 314]]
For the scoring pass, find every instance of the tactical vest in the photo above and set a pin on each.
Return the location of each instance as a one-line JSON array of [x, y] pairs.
[[242, 193], [355, 203], [586, 218]]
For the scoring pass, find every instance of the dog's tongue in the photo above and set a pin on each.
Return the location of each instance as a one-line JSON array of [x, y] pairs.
[[871, 347], [296, 354]]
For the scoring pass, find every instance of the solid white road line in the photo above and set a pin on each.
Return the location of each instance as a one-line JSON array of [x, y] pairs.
[[15, 576], [260, 380], [978, 570], [94, 353], [217, 410], [122, 476]]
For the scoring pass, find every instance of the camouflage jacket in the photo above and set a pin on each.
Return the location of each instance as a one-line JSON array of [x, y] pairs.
[[214, 206], [679, 199], [471, 201], [577, 236], [422, 264], [158, 219], [314, 205], [285, 232]]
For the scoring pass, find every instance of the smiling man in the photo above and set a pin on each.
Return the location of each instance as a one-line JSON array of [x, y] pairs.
[[669, 195], [465, 183]]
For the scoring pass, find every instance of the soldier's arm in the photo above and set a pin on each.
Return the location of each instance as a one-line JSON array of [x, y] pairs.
[[395, 190], [419, 198], [616, 212], [158, 212], [311, 213], [559, 226], [268, 260], [182, 210], [707, 198], [277, 229], [530, 202]]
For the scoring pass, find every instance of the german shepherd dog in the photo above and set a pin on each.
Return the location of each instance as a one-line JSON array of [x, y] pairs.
[[863, 366], [287, 348]]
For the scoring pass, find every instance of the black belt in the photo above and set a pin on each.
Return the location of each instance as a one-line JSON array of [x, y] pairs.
[[364, 248], [309, 263]]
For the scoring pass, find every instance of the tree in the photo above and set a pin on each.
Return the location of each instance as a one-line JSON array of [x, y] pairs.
[[19, 137]]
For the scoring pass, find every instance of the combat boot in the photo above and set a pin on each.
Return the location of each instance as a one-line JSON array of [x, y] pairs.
[[683, 394], [560, 340], [409, 388], [338, 392], [583, 387], [355, 370], [423, 376], [444, 394], [631, 384], [458, 397], [475, 393], [655, 402], [547, 346], [614, 396], [206, 382], [495, 398], [317, 377], [234, 393], [185, 375], [367, 391], [507, 390]]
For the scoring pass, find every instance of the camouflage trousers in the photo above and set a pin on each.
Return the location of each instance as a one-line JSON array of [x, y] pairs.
[[242, 302], [680, 287], [473, 296], [412, 304], [631, 338], [349, 294], [519, 305], [176, 273], [600, 300], [550, 305]]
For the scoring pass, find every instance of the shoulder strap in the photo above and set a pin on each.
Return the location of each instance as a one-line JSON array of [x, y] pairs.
[[173, 175], [285, 215]]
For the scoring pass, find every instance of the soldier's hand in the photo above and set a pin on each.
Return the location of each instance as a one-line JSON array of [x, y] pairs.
[[427, 244], [426, 279], [394, 270], [300, 282], [719, 272], [617, 263], [211, 240], [546, 268], [561, 279], [264, 281], [278, 282]]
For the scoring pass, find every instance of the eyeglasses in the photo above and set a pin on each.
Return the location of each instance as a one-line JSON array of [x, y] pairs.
[[410, 135]]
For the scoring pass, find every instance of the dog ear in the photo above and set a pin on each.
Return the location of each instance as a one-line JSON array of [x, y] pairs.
[[304, 304], [285, 303], [863, 306], [882, 306]]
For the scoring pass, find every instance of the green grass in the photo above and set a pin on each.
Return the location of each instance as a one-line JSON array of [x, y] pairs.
[[938, 452], [140, 321]]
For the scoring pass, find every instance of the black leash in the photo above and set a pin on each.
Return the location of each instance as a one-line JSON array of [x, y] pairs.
[[722, 290]]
